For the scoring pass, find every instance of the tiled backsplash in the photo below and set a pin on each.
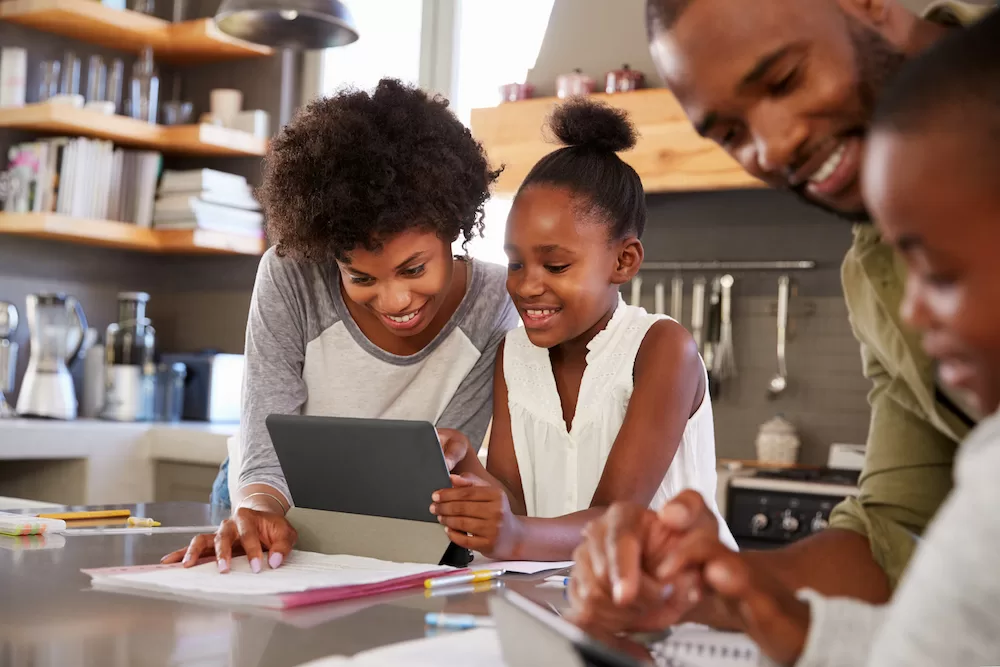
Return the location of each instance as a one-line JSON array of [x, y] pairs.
[[826, 395]]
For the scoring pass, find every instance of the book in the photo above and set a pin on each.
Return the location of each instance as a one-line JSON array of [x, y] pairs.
[[196, 180], [304, 578]]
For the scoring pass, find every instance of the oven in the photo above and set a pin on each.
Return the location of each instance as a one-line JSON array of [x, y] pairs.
[[774, 507]]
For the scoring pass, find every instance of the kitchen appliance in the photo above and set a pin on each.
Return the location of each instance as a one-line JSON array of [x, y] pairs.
[[846, 456], [774, 507], [212, 385], [56, 324], [624, 80], [8, 355], [130, 374], [303, 24]]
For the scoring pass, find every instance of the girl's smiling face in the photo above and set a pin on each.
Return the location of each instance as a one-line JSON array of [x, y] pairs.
[[563, 270], [936, 201], [404, 283]]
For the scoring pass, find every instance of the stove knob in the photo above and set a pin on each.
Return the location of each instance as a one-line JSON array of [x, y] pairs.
[[759, 522], [818, 523], [789, 523]]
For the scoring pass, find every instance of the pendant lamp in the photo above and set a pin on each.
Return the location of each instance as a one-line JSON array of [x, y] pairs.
[[297, 24]]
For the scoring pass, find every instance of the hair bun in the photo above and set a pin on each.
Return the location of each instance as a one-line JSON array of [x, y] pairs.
[[593, 124]]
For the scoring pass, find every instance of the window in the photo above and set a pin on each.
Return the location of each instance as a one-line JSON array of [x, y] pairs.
[[388, 45], [495, 43], [464, 48]]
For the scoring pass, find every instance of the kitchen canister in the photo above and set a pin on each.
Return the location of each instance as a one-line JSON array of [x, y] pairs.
[[777, 442], [573, 85]]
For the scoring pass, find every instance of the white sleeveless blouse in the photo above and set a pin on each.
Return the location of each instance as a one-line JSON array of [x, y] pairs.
[[560, 469]]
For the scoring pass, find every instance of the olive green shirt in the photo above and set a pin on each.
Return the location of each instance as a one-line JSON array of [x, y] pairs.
[[915, 427]]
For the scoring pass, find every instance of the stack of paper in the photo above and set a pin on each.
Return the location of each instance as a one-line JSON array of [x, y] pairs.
[[304, 578]]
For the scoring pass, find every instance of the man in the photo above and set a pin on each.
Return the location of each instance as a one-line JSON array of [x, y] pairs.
[[787, 88]]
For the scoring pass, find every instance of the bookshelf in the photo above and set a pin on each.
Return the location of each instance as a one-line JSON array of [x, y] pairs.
[[200, 140], [125, 236], [90, 21]]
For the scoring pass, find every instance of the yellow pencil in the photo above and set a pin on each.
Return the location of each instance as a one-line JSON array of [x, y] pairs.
[[95, 514]]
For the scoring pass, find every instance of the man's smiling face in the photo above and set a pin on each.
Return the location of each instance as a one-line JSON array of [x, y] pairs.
[[786, 87]]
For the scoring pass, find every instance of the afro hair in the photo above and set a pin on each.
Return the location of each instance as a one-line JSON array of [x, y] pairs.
[[352, 170]]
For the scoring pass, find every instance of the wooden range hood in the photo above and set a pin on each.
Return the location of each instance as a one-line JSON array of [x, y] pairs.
[[669, 156]]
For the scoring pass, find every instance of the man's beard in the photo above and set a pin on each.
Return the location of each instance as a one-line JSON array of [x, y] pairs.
[[877, 61]]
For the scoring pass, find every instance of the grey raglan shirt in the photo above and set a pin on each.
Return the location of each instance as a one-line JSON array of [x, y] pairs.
[[946, 610], [306, 355]]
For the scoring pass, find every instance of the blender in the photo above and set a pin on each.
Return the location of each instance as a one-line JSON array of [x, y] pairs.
[[56, 325]]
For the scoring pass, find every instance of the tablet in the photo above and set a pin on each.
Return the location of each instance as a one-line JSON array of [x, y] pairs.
[[531, 636], [373, 467]]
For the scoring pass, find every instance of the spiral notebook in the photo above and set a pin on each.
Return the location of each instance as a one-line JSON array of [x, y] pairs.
[[693, 645]]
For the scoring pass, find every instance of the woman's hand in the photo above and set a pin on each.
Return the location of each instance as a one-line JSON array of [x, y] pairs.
[[455, 446], [477, 516], [248, 532]]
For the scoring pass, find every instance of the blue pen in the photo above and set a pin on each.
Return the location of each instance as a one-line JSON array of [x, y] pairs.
[[558, 581], [458, 621]]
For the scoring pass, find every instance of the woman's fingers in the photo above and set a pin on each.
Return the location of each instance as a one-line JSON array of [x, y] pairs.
[[246, 523], [201, 545], [225, 537], [174, 556]]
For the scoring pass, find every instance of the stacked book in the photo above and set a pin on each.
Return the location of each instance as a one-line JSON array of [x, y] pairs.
[[207, 199], [82, 178]]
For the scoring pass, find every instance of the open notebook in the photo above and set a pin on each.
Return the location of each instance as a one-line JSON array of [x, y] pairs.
[[305, 578], [692, 645]]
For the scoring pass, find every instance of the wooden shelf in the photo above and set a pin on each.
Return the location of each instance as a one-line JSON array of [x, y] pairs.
[[90, 21], [669, 156], [208, 140], [111, 234]]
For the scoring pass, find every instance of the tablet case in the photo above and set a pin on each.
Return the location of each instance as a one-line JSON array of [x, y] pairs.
[[363, 487]]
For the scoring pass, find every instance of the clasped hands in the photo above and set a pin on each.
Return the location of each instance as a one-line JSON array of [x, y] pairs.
[[643, 571]]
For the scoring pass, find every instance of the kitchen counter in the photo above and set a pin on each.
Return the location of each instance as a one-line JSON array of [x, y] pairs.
[[97, 462], [50, 616]]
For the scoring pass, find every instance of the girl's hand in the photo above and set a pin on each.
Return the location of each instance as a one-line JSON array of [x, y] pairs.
[[455, 446], [248, 532], [477, 516]]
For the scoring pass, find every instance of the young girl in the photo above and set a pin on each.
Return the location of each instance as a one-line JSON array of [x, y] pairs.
[[594, 401], [360, 309]]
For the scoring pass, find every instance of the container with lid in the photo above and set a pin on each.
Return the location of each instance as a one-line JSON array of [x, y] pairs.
[[573, 85], [515, 92], [623, 80], [129, 346]]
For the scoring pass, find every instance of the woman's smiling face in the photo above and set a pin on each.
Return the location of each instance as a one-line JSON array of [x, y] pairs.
[[403, 283]]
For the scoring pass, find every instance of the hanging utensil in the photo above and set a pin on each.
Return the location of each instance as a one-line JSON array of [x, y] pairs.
[[780, 381], [636, 291], [712, 335], [698, 310], [659, 298], [676, 298], [725, 362]]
